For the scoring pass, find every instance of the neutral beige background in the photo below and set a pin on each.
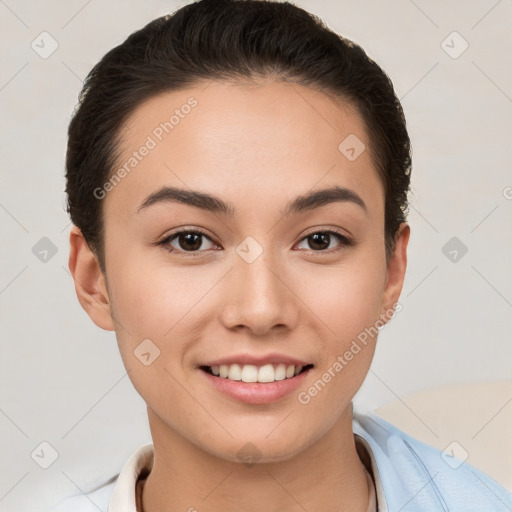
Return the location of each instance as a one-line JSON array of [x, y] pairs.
[[61, 378]]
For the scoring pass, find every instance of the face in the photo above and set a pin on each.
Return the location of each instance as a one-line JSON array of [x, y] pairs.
[[257, 274]]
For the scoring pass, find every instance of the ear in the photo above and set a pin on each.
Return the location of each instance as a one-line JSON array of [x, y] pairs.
[[395, 272], [90, 284]]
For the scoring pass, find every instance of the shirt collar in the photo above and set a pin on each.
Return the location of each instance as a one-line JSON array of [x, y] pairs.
[[138, 466]]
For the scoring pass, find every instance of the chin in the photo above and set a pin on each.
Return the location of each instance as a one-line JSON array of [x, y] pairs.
[[261, 449]]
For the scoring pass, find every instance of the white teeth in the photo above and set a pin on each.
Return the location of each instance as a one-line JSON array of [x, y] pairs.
[[235, 372], [266, 373], [280, 372], [252, 373]]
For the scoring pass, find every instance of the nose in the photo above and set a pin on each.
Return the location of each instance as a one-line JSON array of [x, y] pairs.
[[258, 297]]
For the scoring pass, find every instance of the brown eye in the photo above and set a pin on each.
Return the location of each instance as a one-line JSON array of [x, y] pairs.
[[320, 240], [185, 241]]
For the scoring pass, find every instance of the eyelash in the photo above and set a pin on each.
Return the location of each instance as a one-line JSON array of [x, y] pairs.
[[345, 242]]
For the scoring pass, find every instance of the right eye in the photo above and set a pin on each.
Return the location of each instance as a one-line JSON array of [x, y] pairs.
[[190, 241]]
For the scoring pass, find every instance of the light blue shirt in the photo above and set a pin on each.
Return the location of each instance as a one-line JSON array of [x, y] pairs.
[[412, 476], [409, 476]]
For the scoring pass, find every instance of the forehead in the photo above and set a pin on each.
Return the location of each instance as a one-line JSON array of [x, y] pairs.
[[271, 140]]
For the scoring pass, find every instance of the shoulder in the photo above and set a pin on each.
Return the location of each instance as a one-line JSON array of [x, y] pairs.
[[416, 476]]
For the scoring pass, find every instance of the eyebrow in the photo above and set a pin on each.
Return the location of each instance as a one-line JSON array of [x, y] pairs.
[[207, 202]]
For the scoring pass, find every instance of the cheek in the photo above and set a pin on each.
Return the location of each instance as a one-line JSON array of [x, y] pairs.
[[347, 306], [346, 298], [344, 303], [151, 299], [149, 304], [165, 305]]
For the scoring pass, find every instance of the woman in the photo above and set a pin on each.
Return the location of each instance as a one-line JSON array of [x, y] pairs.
[[237, 177]]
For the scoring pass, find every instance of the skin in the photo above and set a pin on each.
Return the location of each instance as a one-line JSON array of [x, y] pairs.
[[257, 146]]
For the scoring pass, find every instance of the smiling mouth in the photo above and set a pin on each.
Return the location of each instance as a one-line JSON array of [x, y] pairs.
[[250, 373]]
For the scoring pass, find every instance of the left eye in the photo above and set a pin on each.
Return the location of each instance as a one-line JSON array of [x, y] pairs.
[[322, 238], [192, 241]]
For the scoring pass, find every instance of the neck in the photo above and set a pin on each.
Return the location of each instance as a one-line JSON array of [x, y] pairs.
[[328, 475]]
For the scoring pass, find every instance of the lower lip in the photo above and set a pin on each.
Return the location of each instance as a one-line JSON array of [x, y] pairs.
[[256, 392]]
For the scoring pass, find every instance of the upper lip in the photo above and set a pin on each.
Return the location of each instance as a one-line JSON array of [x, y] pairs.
[[256, 360]]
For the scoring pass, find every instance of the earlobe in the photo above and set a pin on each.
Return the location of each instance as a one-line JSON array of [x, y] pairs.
[[396, 268], [90, 282]]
